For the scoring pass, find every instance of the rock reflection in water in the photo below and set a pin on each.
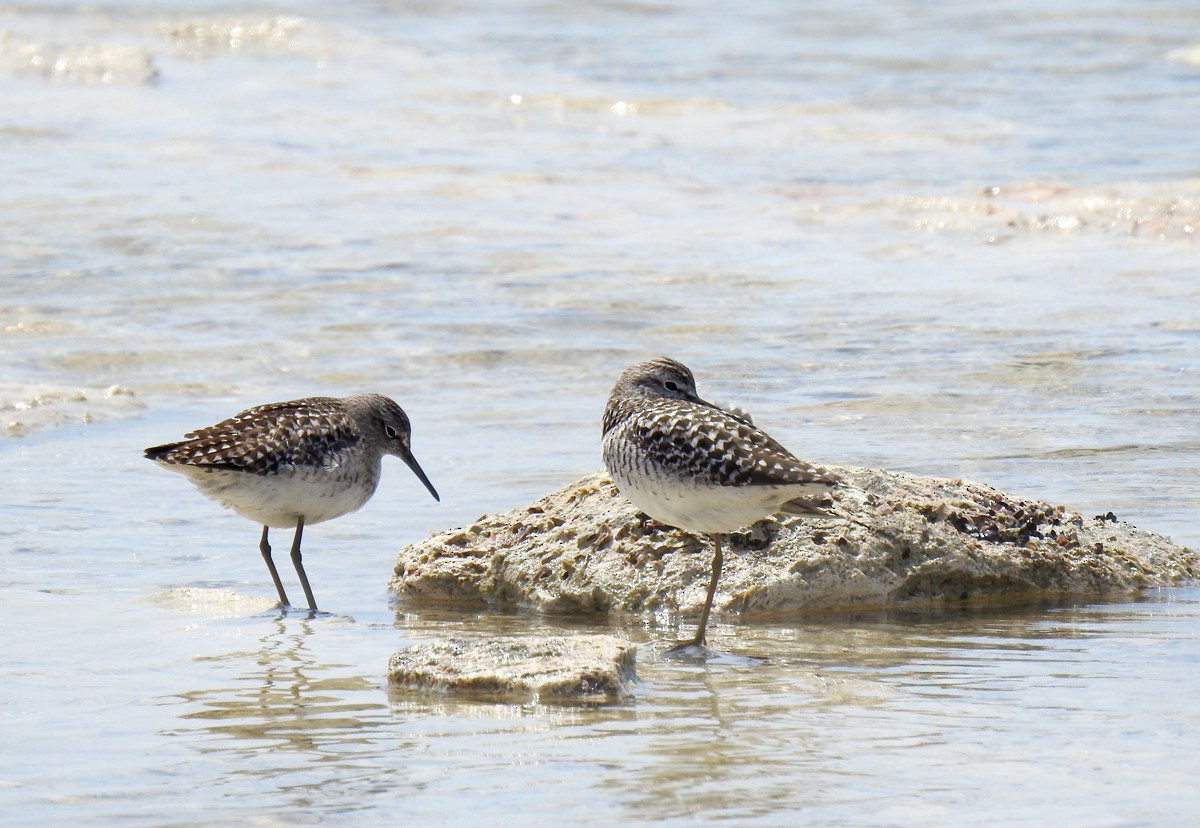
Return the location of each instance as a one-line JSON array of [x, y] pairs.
[[968, 716], [1016, 716]]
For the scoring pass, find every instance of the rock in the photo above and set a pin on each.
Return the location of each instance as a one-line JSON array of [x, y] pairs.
[[24, 408], [1156, 211], [237, 33], [90, 63], [915, 540], [582, 668], [215, 603]]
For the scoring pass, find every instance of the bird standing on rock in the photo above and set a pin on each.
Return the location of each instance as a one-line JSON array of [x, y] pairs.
[[295, 463], [693, 465]]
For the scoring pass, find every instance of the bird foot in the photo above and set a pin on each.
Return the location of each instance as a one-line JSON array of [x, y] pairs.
[[690, 649]]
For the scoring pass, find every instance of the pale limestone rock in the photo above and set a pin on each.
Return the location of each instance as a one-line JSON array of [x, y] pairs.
[[94, 63], [910, 541], [546, 669], [216, 603]]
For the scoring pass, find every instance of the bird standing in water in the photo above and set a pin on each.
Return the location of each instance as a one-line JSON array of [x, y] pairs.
[[294, 463]]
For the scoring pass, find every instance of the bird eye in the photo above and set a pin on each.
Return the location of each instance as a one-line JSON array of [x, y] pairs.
[[390, 431], [671, 385]]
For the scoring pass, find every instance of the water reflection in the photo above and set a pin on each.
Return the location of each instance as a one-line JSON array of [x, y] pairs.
[[921, 711], [924, 712], [283, 697]]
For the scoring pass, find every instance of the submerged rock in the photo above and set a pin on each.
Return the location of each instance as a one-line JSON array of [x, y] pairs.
[[91, 63], [585, 549], [581, 668], [214, 603]]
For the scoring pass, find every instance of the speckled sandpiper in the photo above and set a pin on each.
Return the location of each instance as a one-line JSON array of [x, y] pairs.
[[295, 463], [695, 466]]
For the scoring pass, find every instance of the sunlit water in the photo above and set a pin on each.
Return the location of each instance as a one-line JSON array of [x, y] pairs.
[[486, 211]]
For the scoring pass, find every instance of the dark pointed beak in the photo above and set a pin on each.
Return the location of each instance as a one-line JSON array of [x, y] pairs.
[[412, 463], [723, 411]]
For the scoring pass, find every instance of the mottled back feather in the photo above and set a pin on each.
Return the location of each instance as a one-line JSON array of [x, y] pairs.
[[654, 408], [310, 432]]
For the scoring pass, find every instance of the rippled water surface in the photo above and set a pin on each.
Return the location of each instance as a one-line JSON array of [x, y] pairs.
[[958, 242]]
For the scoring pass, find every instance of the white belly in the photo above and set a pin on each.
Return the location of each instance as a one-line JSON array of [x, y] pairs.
[[706, 508], [279, 500]]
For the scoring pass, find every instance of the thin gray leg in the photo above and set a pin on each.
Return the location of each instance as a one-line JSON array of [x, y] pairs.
[[718, 562], [299, 564], [698, 639], [265, 548]]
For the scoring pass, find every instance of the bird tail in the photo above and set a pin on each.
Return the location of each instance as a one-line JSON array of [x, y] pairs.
[[160, 452]]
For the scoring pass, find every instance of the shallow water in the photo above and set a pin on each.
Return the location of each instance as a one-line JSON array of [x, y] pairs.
[[956, 242]]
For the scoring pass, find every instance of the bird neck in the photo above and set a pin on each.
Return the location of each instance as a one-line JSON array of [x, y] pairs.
[[618, 408]]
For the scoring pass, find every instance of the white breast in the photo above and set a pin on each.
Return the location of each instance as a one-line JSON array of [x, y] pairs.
[[704, 508], [278, 500]]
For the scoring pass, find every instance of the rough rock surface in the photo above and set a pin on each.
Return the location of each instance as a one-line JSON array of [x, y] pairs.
[[581, 668], [585, 549]]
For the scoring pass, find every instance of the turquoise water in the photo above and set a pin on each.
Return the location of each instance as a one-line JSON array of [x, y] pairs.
[[954, 242]]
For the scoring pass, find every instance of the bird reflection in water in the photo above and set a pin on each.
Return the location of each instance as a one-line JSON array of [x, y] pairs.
[[281, 697]]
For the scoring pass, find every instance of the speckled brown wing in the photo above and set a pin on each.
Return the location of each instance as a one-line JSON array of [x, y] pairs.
[[720, 448], [263, 439]]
